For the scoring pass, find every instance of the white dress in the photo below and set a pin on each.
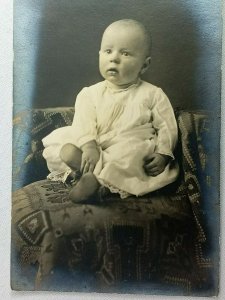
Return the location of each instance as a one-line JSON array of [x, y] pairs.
[[127, 124]]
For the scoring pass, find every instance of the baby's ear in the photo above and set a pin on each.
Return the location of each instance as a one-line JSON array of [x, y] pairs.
[[146, 65]]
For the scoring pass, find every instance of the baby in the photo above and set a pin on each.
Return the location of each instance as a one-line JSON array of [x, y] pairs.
[[124, 130]]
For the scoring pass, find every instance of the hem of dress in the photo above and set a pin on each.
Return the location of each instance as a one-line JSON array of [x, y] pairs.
[[113, 189]]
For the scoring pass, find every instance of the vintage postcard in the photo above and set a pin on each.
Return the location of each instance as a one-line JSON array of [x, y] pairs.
[[116, 121]]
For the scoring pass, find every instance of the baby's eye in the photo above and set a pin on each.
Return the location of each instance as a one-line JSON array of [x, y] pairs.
[[125, 53], [108, 51]]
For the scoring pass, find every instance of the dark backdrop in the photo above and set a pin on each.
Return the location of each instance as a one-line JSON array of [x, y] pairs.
[[56, 46]]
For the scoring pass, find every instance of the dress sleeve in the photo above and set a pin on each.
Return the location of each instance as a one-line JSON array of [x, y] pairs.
[[84, 121], [164, 123]]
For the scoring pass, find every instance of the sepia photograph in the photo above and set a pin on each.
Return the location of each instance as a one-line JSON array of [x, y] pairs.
[[116, 146]]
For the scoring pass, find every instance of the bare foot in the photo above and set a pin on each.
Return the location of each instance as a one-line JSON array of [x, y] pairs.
[[85, 188]]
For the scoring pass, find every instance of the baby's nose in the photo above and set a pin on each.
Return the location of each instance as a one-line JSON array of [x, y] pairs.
[[114, 57]]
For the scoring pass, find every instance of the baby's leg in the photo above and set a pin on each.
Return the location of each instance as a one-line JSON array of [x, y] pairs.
[[71, 156], [85, 188]]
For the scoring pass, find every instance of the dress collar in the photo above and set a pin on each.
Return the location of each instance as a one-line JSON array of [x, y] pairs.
[[114, 90]]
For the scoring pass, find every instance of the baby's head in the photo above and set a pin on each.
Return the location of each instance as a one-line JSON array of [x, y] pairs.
[[124, 53]]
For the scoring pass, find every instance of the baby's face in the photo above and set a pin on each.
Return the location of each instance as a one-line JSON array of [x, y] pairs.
[[122, 55]]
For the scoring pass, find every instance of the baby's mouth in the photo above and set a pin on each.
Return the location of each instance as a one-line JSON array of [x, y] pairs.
[[112, 71]]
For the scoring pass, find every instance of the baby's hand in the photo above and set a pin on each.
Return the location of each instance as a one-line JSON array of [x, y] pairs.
[[155, 164], [90, 157]]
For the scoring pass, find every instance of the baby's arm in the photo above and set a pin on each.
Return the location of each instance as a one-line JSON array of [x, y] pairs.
[[165, 125], [84, 130], [90, 156]]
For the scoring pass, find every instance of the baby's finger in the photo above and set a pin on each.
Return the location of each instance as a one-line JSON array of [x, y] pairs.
[[152, 170], [83, 163], [151, 165], [86, 167], [91, 168], [153, 173], [148, 157]]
